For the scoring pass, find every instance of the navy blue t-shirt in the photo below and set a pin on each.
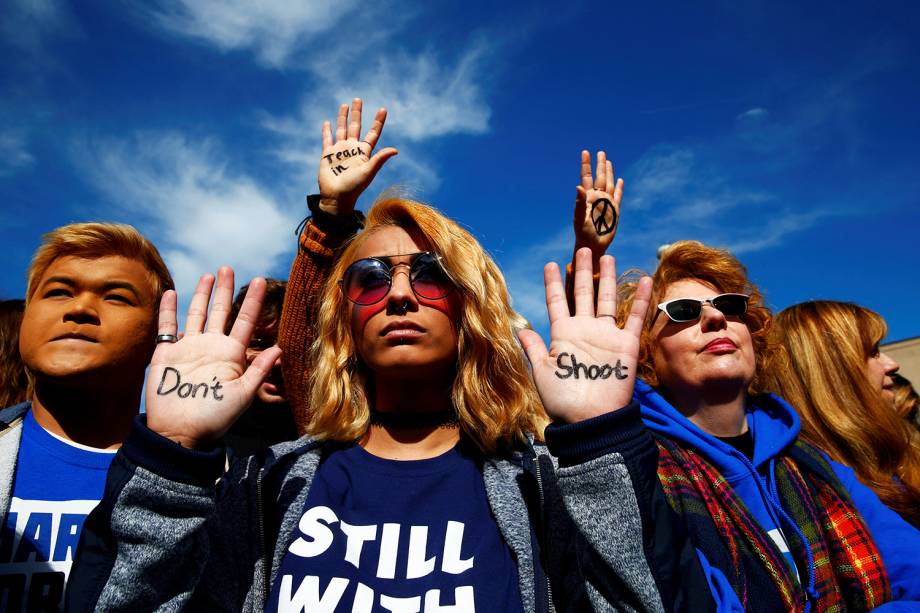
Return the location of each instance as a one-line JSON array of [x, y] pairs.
[[382, 535]]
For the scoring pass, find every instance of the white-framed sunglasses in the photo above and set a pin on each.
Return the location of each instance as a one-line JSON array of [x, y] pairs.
[[681, 310]]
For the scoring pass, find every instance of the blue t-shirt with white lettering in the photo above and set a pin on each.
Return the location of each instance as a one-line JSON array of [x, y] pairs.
[[56, 486], [382, 535]]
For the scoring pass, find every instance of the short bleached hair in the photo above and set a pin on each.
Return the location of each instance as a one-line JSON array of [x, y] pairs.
[[97, 240]]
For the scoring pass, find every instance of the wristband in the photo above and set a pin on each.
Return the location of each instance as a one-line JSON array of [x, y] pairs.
[[334, 224]]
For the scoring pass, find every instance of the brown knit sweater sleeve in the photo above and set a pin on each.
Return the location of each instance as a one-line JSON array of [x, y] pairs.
[[311, 268]]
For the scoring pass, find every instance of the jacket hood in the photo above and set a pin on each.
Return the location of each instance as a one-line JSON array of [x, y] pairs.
[[774, 426], [13, 413]]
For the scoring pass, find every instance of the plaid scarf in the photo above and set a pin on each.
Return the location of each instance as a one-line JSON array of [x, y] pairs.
[[842, 561]]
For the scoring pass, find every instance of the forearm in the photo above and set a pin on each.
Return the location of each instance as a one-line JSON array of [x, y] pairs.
[[317, 247], [146, 545], [608, 479]]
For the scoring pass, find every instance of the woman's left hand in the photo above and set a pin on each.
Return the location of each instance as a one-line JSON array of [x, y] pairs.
[[590, 367], [199, 385]]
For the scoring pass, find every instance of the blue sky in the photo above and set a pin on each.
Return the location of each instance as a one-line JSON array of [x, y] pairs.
[[786, 132]]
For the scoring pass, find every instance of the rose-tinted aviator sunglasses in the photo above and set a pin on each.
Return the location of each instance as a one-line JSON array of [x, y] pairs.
[[367, 281], [682, 310]]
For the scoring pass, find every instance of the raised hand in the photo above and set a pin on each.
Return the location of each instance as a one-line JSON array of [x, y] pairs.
[[597, 206], [346, 167], [590, 367], [197, 387]]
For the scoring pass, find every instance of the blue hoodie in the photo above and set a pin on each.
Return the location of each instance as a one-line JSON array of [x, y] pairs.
[[774, 426]]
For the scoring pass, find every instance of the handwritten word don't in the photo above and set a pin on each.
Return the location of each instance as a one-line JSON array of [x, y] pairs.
[[186, 389]]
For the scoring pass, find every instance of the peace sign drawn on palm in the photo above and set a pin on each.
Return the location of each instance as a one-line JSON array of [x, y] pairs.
[[597, 205], [346, 166], [590, 366], [198, 386]]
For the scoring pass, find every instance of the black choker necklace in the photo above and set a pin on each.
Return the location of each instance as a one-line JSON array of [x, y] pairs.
[[428, 419]]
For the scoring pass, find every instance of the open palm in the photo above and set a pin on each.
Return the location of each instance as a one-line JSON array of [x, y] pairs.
[[590, 367], [347, 167], [597, 205], [198, 387]]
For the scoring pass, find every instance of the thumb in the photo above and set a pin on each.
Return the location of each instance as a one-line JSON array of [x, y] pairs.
[[378, 160], [259, 370], [581, 204], [533, 346]]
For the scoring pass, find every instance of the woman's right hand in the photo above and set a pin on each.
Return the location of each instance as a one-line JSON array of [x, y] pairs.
[[597, 214], [198, 386], [597, 206], [346, 167]]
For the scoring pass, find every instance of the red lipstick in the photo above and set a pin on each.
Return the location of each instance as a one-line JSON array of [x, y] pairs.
[[720, 345]]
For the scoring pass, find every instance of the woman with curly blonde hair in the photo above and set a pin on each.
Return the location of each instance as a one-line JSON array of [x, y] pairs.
[[828, 365], [490, 390], [422, 483]]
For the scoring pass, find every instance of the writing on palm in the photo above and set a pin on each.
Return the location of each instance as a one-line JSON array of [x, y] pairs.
[[603, 216]]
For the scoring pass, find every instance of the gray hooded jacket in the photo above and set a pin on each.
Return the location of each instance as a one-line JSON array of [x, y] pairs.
[[169, 536], [10, 437]]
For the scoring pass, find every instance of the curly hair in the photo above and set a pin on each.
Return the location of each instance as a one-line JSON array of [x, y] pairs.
[[716, 267], [492, 391], [822, 351]]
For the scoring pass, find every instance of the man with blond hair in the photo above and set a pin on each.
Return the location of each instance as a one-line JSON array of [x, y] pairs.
[[88, 332]]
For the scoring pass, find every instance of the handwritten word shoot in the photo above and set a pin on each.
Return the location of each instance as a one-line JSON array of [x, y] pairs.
[[187, 389], [592, 372]]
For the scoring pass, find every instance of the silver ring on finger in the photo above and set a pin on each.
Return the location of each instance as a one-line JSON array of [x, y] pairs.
[[166, 338]]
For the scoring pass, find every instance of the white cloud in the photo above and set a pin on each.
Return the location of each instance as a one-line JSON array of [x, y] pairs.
[[703, 191], [426, 98], [200, 213], [523, 272], [660, 172], [14, 154], [26, 29], [753, 114], [341, 50], [272, 29], [203, 214], [694, 193], [774, 232], [27, 23]]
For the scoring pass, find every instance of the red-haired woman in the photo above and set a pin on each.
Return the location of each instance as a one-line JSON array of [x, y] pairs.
[[778, 525]]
